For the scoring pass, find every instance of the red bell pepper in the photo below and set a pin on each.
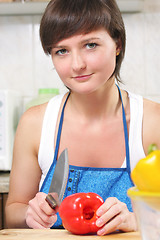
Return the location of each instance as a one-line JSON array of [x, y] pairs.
[[78, 212]]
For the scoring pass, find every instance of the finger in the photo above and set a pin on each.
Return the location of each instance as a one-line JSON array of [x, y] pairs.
[[129, 222], [106, 205], [33, 224], [39, 215], [43, 204], [32, 218], [110, 226], [109, 215]]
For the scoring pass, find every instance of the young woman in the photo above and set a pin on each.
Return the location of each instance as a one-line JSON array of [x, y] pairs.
[[106, 130]]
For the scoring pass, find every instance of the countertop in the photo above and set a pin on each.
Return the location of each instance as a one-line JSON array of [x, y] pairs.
[[4, 182], [47, 234]]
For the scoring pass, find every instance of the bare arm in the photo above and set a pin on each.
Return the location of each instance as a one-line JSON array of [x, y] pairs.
[[25, 173], [25, 206]]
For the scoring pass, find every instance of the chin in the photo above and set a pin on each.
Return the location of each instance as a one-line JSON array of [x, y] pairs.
[[85, 91]]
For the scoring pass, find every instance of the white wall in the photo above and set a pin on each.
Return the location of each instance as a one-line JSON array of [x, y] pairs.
[[141, 67], [24, 66]]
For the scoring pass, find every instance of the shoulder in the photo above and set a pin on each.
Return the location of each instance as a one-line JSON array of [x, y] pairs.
[[151, 110], [30, 124], [33, 116], [151, 120], [29, 127]]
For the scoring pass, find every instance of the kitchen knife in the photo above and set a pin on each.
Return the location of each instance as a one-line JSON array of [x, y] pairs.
[[59, 179]]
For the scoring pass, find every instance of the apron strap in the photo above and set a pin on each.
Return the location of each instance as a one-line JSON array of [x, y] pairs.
[[125, 133], [57, 144], [124, 126], [60, 129], [59, 135]]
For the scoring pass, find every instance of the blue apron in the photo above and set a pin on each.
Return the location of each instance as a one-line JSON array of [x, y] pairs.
[[107, 182]]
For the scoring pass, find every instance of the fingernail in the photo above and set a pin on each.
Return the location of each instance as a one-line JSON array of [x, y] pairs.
[[101, 231], [99, 222], [99, 212]]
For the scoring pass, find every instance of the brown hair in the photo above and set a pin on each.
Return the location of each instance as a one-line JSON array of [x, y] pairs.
[[64, 18]]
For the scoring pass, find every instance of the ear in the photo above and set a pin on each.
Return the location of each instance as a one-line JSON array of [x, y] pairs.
[[118, 46]]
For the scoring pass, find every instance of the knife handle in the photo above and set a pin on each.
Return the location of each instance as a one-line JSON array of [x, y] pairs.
[[51, 201]]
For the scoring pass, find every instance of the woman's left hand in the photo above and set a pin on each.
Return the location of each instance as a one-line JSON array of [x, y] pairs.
[[114, 215]]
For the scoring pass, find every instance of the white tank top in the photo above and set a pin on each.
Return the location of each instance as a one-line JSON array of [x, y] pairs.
[[46, 148]]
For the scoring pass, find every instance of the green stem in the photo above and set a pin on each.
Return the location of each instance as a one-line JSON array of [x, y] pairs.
[[152, 148]]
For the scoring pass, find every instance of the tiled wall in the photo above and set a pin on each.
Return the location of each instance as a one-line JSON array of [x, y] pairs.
[[141, 67], [24, 66]]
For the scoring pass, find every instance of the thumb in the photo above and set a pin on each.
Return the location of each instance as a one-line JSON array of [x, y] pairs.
[[53, 201]]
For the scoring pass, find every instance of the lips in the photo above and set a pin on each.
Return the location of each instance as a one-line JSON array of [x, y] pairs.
[[83, 77]]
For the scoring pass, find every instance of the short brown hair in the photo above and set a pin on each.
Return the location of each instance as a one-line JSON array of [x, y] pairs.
[[65, 18]]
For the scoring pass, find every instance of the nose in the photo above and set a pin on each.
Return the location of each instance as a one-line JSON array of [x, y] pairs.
[[78, 62]]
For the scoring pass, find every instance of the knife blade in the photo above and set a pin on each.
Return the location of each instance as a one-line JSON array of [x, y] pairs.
[[59, 179]]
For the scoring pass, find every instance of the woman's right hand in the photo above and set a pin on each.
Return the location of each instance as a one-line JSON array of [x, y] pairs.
[[39, 214]]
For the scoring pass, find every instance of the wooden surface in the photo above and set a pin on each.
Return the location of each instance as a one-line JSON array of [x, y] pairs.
[[36, 234]]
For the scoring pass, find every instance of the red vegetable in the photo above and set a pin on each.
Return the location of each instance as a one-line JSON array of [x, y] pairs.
[[78, 212]]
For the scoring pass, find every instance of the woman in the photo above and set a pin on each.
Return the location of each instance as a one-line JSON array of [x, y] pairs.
[[86, 40]]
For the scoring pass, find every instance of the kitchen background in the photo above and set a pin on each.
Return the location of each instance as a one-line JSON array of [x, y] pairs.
[[25, 68]]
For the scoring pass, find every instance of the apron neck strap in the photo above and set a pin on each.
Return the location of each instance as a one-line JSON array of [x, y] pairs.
[[124, 126], [125, 132], [60, 129]]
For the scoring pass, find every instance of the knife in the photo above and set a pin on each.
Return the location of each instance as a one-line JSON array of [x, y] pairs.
[[59, 180]]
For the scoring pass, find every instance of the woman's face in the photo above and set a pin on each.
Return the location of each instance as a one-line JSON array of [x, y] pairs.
[[85, 62]]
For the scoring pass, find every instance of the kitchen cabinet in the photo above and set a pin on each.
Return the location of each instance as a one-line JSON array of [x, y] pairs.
[[4, 189], [35, 7], [1, 213], [3, 199]]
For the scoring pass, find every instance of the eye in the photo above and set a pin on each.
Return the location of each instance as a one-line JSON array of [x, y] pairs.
[[61, 52], [91, 45]]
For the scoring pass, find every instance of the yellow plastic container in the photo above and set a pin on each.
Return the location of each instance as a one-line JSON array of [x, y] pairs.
[[146, 206]]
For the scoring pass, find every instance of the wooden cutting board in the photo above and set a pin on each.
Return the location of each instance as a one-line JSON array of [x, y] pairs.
[[48, 234]]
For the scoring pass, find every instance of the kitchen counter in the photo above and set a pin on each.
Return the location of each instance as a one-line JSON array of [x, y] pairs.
[[46, 234], [4, 182]]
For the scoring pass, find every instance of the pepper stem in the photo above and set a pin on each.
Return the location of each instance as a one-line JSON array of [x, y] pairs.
[[152, 148]]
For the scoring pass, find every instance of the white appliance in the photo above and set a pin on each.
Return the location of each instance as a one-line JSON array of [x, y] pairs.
[[10, 112]]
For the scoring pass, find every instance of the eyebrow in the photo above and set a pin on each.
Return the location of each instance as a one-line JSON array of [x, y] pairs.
[[82, 42], [59, 47], [89, 39]]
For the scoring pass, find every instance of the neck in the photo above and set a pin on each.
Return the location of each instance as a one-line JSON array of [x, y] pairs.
[[102, 103]]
